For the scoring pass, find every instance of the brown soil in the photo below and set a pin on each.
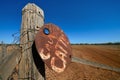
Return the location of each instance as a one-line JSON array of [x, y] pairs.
[[104, 54], [109, 55]]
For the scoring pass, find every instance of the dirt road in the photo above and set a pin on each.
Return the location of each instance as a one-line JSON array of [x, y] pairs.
[[94, 64], [109, 55], [104, 54], [101, 54]]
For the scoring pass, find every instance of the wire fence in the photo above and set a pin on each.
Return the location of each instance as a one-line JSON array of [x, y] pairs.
[[15, 44]]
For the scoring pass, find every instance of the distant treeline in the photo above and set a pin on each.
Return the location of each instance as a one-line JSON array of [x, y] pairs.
[[109, 43], [9, 44]]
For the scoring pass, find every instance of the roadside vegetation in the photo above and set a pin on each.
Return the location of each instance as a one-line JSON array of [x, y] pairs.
[[108, 43]]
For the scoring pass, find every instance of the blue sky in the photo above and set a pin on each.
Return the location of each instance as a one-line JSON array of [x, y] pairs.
[[83, 21]]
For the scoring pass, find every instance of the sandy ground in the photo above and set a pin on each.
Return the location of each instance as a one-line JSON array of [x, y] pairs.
[[109, 55], [105, 54]]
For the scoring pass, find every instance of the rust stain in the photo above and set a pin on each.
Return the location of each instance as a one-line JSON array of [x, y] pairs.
[[53, 47]]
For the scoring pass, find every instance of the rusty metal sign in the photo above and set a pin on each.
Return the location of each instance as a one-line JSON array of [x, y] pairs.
[[53, 47]]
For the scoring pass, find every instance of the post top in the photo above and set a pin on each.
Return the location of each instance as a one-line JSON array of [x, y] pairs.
[[33, 8]]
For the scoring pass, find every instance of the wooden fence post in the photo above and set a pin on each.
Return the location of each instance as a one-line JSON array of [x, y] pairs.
[[32, 19], [4, 51]]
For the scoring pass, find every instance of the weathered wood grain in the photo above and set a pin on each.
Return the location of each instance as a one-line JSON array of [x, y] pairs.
[[32, 19], [9, 64]]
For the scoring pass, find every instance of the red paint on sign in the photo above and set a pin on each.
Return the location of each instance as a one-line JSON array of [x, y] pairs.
[[53, 47]]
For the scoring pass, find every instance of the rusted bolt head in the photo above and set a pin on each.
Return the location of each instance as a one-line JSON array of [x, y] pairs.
[[53, 47]]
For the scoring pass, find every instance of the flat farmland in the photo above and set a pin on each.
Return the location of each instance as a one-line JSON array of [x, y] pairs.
[[103, 54]]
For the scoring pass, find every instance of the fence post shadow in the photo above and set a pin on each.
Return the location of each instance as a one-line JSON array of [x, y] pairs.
[[38, 61]]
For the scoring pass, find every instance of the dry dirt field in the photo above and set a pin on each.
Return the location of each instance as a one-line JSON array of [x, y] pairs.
[[105, 54]]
